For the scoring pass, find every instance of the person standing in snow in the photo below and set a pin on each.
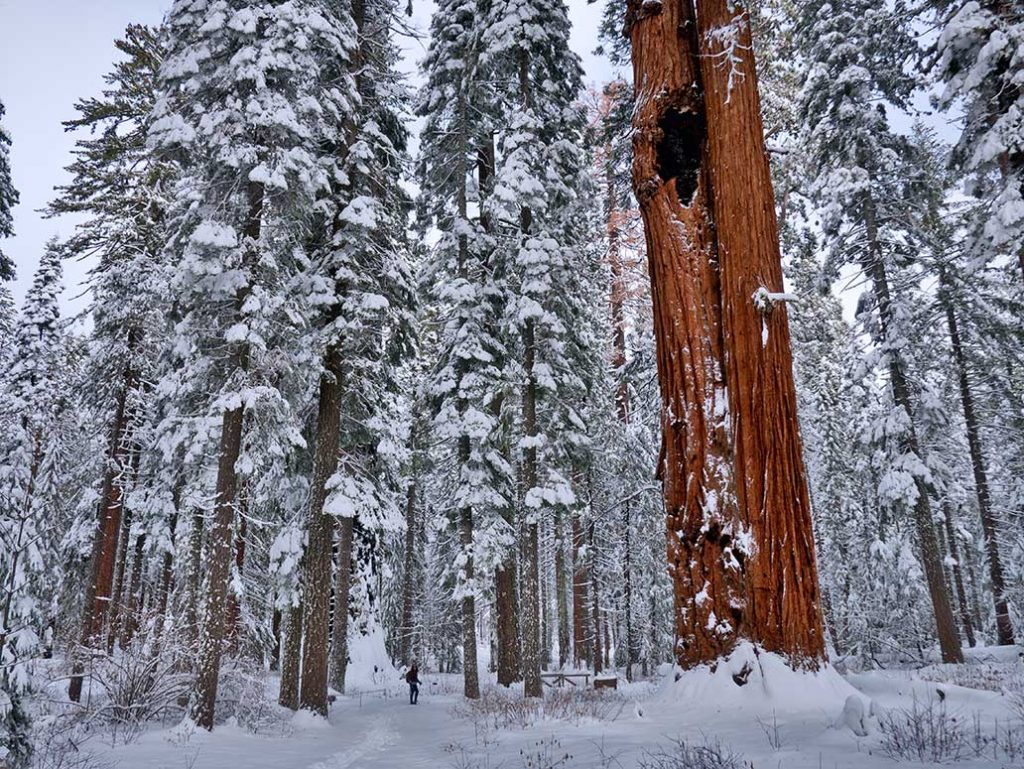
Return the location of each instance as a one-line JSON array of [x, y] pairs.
[[413, 679]]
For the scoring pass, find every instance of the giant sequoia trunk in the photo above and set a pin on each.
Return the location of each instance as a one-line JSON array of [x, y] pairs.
[[221, 541], [740, 546]]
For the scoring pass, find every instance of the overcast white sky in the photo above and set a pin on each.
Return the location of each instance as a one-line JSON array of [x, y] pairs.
[[54, 52]]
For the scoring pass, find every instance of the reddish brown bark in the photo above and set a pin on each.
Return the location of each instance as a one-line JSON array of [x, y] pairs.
[[108, 526], [221, 539], [740, 545]]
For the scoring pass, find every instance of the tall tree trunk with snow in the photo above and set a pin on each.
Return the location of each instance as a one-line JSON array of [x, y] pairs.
[[317, 560], [580, 579], [407, 630], [741, 551], [342, 593], [958, 573], [108, 528], [561, 599], [931, 556], [221, 540], [291, 658], [989, 526]]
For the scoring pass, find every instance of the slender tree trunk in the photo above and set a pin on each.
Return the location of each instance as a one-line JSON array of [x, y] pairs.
[[291, 659], [958, 576], [471, 673], [133, 603], [342, 591], [989, 525], [408, 629], [219, 552], [595, 606], [732, 462], [561, 599], [108, 526], [234, 615], [580, 578], [275, 633], [195, 574], [117, 592], [317, 561], [931, 557], [509, 648]]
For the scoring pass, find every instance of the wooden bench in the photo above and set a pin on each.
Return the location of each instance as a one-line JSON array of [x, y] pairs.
[[561, 679], [606, 682]]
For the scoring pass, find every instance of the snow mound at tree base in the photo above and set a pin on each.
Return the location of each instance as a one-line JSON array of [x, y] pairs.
[[369, 666], [760, 684]]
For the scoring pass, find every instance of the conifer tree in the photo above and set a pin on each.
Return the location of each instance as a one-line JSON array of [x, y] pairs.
[[979, 56], [246, 109], [857, 163], [535, 190], [33, 400], [121, 186], [8, 198], [458, 105], [364, 329]]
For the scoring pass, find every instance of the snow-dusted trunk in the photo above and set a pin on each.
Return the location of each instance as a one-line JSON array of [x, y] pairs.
[[342, 594], [471, 674], [221, 539], [740, 547], [618, 295], [531, 569], [561, 599], [320, 546], [958, 573], [291, 658], [989, 526], [234, 619], [108, 527], [194, 574], [581, 650], [407, 631], [595, 604], [931, 556], [506, 596]]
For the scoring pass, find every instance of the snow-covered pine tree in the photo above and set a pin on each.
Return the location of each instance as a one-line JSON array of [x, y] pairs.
[[33, 400], [249, 110], [856, 166], [534, 207], [121, 186], [363, 331], [467, 284], [979, 56], [8, 198], [971, 291]]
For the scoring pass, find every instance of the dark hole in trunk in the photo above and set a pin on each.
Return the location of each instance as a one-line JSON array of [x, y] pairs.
[[679, 151]]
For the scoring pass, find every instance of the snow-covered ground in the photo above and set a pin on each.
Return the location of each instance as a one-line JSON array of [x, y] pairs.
[[776, 720]]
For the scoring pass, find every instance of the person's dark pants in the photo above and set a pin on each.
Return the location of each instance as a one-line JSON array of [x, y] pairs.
[[414, 693]]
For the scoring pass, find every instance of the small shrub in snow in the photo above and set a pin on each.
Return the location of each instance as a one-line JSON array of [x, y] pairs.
[[680, 754], [924, 732], [545, 754], [62, 742]]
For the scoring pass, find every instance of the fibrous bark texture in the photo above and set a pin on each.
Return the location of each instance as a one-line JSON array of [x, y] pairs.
[[740, 545]]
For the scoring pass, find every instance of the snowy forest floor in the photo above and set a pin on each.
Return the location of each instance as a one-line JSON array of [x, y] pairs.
[[967, 715]]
